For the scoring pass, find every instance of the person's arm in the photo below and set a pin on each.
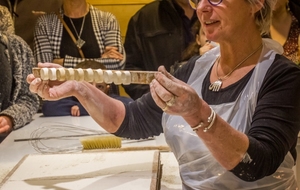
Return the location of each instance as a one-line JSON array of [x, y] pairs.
[[106, 111], [43, 50], [275, 123], [141, 121], [24, 103]]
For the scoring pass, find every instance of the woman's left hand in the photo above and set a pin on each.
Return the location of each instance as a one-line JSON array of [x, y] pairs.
[[174, 96], [112, 52], [75, 111]]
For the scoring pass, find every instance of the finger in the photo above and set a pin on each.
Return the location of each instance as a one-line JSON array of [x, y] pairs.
[[170, 83], [34, 84], [116, 55], [108, 48], [113, 53], [43, 90], [63, 90], [161, 92], [159, 102], [73, 111], [48, 65], [30, 78], [4, 129], [2, 122]]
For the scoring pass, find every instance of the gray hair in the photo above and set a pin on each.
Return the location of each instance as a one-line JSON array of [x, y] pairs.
[[264, 16]]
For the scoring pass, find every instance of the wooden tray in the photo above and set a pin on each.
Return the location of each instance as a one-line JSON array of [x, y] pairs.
[[86, 171]]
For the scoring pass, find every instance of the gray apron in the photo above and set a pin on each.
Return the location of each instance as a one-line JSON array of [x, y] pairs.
[[198, 168]]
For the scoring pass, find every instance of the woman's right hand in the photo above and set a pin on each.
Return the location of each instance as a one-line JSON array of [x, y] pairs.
[[50, 90]]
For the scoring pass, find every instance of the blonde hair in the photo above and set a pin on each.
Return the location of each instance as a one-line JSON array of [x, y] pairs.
[[6, 21], [264, 16]]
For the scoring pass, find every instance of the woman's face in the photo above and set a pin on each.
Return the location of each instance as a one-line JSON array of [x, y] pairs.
[[102, 86], [225, 20]]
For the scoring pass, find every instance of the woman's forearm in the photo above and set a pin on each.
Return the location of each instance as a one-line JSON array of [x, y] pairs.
[[109, 113]]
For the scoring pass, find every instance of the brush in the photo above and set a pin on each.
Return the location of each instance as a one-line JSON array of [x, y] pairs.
[[114, 143], [53, 137]]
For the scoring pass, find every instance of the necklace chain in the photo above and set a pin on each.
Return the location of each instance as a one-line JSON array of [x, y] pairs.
[[215, 86], [80, 42]]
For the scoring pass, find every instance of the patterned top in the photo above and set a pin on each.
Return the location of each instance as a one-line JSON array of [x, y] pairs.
[[20, 104], [291, 46], [7, 24], [49, 32]]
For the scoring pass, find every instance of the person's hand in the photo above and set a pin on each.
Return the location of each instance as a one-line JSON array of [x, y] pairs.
[[112, 52], [50, 90], [206, 47], [5, 124], [75, 111], [174, 96]]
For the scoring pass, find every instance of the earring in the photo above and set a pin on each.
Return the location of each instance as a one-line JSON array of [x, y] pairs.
[[287, 6]]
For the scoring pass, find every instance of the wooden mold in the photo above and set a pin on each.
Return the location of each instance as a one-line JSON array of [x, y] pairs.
[[98, 170], [95, 75]]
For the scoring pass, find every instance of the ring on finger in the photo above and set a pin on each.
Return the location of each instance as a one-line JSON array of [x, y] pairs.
[[171, 101]]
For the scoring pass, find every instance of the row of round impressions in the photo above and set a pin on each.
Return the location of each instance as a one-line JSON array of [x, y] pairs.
[[95, 75]]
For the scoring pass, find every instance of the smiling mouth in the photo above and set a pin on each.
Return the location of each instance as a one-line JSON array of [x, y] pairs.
[[210, 22]]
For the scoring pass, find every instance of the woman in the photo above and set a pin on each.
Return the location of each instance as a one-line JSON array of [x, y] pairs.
[[234, 124], [285, 28], [17, 104], [97, 34]]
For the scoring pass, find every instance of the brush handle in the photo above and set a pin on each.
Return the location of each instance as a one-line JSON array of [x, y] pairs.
[[95, 75], [134, 148], [58, 137]]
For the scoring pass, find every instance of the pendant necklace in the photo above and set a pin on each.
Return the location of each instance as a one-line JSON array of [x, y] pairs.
[[80, 42], [216, 86]]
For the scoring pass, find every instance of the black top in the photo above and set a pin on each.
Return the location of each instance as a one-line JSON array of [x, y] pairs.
[[156, 35], [90, 48], [275, 122]]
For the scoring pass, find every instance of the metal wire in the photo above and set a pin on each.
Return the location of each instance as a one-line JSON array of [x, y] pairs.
[[53, 137]]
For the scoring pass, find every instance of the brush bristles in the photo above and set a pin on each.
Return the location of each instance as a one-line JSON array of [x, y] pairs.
[[101, 142]]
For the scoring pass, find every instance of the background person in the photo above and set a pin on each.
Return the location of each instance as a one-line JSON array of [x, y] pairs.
[[231, 117], [26, 12], [285, 28], [196, 49], [17, 104], [157, 35], [97, 31]]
